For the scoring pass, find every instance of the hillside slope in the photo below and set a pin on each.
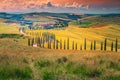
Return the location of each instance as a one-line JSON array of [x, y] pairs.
[[111, 32]]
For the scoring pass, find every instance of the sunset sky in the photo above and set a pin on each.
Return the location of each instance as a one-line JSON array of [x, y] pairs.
[[61, 6]]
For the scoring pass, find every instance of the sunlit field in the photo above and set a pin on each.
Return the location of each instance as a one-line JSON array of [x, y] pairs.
[[21, 61], [78, 35], [8, 28]]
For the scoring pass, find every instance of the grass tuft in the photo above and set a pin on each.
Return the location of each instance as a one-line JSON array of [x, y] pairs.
[[43, 63], [111, 77], [62, 60], [15, 73]]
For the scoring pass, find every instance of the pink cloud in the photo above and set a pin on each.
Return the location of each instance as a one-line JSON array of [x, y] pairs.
[[37, 5]]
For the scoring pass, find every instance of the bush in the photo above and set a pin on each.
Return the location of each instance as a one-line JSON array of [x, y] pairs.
[[62, 60], [59, 60], [43, 63], [94, 73], [48, 76], [15, 73], [25, 60]]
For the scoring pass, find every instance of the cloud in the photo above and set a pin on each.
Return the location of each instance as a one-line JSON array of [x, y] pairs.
[[49, 4], [76, 5], [58, 5], [46, 5], [67, 5], [31, 6]]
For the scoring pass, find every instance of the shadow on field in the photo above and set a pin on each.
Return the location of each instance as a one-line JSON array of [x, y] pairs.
[[10, 36]]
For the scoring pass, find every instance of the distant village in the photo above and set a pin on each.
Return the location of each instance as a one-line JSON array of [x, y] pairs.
[[43, 25], [55, 23]]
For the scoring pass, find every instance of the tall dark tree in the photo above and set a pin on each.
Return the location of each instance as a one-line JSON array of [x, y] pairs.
[[56, 44], [43, 43], [68, 43], [91, 46], [112, 46], [50, 44], [81, 47], [101, 46], [28, 41], [60, 44], [73, 45], [116, 45], [32, 41], [38, 41], [64, 44], [76, 46], [85, 44], [94, 45], [105, 44]]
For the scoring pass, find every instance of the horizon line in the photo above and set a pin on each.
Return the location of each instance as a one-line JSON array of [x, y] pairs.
[[54, 13]]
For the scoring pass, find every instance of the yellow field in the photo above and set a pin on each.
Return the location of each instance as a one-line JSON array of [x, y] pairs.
[[111, 32], [8, 28]]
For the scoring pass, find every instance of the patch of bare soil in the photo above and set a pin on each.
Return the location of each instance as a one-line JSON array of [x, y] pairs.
[[98, 26]]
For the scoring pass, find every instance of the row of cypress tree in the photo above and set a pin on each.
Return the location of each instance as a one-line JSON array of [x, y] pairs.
[[55, 44]]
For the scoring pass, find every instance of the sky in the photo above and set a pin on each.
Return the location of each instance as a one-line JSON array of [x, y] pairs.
[[60, 6]]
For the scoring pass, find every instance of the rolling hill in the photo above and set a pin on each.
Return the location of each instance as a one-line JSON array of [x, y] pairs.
[[18, 61]]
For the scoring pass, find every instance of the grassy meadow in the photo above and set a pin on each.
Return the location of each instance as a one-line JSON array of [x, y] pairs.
[[21, 62], [18, 61]]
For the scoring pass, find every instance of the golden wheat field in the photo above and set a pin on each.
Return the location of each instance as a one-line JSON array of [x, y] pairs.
[[8, 28], [76, 34]]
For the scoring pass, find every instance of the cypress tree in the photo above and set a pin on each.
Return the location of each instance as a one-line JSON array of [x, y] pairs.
[[32, 41], [85, 44], [116, 45], [112, 46], [64, 44], [47, 38], [76, 46], [60, 44], [73, 45], [54, 42], [94, 45], [57, 44], [50, 44], [43, 43], [28, 41], [81, 47], [91, 46], [101, 46], [38, 41], [105, 44], [68, 43]]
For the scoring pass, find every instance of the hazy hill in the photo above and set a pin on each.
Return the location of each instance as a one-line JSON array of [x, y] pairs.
[[65, 18]]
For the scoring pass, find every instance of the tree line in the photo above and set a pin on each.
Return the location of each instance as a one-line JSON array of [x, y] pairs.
[[48, 40]]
